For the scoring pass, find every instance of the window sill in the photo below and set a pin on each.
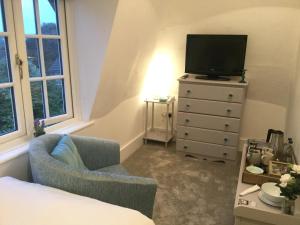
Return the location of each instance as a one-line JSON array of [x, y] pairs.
[[68, 127], [20, 146]]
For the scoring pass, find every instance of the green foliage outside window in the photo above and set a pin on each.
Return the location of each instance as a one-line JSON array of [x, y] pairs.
[[7, 121]]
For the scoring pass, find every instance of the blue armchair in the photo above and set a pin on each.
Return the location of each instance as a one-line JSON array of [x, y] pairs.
[[105, 179]]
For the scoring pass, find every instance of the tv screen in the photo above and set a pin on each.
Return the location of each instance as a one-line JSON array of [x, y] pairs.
[[215, 55]]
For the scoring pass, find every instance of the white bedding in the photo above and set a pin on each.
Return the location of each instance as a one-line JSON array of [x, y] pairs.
[[23, 203]]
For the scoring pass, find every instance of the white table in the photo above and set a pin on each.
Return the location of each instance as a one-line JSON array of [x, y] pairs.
[[261, 214], [157, 134]]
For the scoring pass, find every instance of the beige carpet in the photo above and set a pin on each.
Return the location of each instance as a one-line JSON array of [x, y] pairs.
[[190, 191]]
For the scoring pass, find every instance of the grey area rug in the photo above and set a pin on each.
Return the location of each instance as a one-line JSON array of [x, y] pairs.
[[190, 191]]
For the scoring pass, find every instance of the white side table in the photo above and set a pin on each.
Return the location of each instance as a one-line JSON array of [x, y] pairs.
[[157, 134]]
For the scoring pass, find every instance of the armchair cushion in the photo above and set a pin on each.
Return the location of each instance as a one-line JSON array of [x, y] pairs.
[[66, 152]]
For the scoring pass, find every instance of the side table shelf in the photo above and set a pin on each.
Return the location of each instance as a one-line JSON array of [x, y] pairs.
[[157, 134]]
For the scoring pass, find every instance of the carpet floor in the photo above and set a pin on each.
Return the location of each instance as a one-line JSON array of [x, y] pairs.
[[190, 191]]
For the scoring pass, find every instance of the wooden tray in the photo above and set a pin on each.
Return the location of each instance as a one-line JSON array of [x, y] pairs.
[[259, 179], [270, 176], [250, 178]]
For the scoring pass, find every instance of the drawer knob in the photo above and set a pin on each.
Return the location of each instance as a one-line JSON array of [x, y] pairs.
[[185, 147], [230, 95], [187, 105], [228, 110], [188, 91], [187, 120], [225, 139], [186, 133], [226, 125], [225, 154]]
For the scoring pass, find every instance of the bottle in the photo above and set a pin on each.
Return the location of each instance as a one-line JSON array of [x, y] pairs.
[[288, 151]]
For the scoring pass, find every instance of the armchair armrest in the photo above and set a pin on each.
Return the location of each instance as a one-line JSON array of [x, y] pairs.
[[97, 153], [128, 191]]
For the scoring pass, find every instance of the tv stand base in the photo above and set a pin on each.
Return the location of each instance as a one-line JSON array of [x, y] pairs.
[[212, 78]]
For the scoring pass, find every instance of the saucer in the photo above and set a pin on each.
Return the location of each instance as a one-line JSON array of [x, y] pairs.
[[254, 169]]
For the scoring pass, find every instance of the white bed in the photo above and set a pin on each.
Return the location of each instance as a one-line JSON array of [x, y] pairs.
[[23, 203]]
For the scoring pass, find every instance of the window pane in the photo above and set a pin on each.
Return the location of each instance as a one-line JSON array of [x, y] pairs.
[[29, 16], [2, 18], [8, 122], [56, 97], [33, 56], [38, 100], [52, 57], [48, 16], [4, 61]]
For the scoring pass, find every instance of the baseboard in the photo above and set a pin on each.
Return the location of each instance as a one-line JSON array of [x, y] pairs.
[[133, 145], [128, 149]]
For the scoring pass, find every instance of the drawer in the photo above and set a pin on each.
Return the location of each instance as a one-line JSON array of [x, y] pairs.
[[209, 92], [208, 122], [210, 107], [210, 136], [210, 150]]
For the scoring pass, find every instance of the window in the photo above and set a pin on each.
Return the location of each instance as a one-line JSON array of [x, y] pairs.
[[34, 68]]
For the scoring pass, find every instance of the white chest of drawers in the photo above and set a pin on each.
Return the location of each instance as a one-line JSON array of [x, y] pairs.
[[209, 116]]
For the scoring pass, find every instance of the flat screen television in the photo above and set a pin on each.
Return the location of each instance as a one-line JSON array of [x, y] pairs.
[[215, 56]]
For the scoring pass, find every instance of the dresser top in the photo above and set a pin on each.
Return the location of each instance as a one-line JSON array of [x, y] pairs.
[[234, 82]]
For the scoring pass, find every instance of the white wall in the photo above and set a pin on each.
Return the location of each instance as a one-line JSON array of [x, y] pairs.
[[17, 167], [125, 123], [118, 106], [273, 33], [293, 116], [146, 53]]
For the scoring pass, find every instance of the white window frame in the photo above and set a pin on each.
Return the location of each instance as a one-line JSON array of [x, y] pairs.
[[16, 84], [17, 44]]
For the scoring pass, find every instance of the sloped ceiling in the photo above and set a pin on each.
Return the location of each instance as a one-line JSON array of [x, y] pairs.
[[184, 12], [129, 51], [89, 27]]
